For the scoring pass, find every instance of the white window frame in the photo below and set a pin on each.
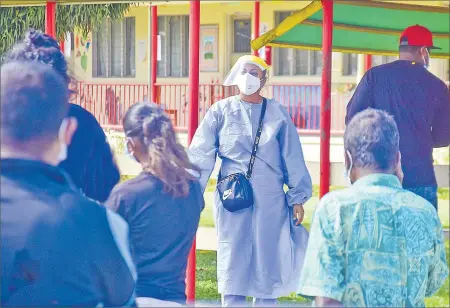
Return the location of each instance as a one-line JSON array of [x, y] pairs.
[[165, 68], [346, 70], [241, 18], [108, 55], [291, 56], [383, 59]]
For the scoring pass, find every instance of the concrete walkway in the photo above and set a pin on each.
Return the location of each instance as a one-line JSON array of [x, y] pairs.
[[206, 238]]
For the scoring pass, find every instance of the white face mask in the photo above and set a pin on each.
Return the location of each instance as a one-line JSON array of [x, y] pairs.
[[248, 84], [62, 146], [348, 171]]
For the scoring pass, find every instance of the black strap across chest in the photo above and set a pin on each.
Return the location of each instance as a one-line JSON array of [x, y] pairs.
[[248, 175]]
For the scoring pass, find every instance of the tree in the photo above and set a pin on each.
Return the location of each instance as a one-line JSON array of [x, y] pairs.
[[15, 21]]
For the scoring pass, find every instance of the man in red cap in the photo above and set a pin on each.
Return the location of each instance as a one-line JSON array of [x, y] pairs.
[[419, 102]]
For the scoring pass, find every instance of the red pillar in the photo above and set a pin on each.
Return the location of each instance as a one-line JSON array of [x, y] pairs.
[[367, 62], [194, 76], [154, 53], [61, 45], [50, 18], [256, 18], [325, 107]]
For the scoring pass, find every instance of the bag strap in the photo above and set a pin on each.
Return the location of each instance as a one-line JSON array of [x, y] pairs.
[[257, 138]]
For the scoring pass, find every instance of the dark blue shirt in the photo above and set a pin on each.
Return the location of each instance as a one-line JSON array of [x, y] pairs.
[[90, 162], [58, 248], [162, 230], [419, 102]]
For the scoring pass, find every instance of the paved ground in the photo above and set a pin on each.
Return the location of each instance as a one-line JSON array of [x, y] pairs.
[[206, 239]]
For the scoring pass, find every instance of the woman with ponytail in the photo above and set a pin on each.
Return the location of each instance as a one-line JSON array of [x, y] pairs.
[[162, 206]]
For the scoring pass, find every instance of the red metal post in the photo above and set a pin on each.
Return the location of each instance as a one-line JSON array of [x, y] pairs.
[[256, 18], [154, 56], [61, 46], [50, 18], [325, 106], [367, 62], [194, 76]]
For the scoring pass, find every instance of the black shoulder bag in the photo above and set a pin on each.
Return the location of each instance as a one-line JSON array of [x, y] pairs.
[[235, 190]]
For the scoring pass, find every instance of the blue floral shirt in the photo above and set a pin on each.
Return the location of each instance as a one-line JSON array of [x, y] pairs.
[[376, 245]]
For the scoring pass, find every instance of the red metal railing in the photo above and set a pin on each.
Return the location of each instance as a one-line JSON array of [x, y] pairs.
[[109, 102]]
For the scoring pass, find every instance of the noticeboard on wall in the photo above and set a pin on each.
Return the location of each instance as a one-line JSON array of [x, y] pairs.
[[209, 48]]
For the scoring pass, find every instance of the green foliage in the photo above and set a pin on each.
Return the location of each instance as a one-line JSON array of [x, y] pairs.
[[15, 21]]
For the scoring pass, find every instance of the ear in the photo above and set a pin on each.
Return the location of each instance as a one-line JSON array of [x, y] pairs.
[[423, 51], [71, 127], [131, 145], [398, 167], [346, 159]]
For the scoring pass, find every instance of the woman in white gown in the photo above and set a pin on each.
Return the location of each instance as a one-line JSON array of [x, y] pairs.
[[261, 248]]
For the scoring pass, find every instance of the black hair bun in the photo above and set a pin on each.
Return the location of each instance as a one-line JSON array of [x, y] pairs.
[[37, 39]]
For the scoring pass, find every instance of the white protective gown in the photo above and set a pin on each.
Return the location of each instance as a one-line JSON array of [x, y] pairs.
[[260, 251]]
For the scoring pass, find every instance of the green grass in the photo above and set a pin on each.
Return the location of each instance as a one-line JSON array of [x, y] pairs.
[[206, 285], [207, 219]]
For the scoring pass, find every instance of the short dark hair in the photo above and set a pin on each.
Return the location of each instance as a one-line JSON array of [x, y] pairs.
[[40, 47], [34, 101], [372, 138], [409, 49], [405, 48]]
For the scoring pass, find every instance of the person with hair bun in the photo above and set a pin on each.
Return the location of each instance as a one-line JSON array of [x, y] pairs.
[[88, 160], [162, 206]]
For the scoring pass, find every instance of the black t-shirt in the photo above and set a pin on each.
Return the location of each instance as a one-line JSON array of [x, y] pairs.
[[419, 102], [162, 230]]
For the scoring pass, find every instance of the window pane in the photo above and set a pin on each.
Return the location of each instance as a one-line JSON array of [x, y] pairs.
[[162, 30], [282, 63], [377, 60], [185, 42], [174, 32], [390, 59], [116, 49], [282, 66], [316, 63], [175, 46], [130, 42], [301, 62], [242, 35], [102, 50], [350, 64]]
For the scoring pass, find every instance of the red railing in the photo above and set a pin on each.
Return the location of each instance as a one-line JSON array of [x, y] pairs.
[[109, 102]]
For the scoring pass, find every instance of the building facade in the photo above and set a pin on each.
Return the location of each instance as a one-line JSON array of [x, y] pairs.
[[112, 65]]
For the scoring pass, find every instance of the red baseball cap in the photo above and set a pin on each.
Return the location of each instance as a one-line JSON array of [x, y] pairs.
[[417, 36]]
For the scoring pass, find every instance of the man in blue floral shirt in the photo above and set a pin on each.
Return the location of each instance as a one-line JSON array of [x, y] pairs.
[[374, 244]]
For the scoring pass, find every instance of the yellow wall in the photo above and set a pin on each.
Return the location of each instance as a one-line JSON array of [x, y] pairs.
[[142, 16], [221, 14]]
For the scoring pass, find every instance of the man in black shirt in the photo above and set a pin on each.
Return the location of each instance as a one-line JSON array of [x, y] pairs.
[[419, 102], [59, 248]]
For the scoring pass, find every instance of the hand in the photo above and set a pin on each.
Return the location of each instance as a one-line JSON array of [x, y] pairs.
[[299, 213]]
